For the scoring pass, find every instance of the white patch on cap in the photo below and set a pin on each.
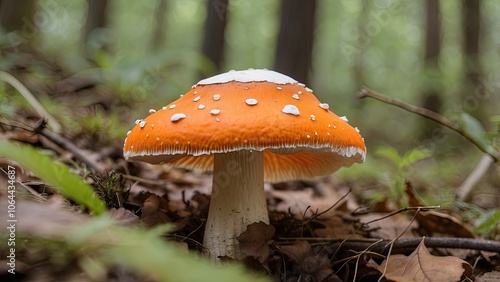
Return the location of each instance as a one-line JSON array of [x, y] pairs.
[[215, 111], [295, 96], [152, 111], [344, 118], [128, 132], [172, 106], [201, 107], [197, 99], [251, 101], [142, 124], [309, 89], [217, 97], [291, 109], [137, 121], [313, 117], [250, 75], [176, 117], [324, 106], [163, 108]]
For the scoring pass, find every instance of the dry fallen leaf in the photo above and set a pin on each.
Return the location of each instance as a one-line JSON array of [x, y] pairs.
[[422, 266], [489, 277], [318, 266], [437, 223], [123, 216], [151, 214], [256, 239]]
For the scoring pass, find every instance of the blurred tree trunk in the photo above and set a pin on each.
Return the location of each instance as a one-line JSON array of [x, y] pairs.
[[158, 36], [431, 84], [17, 21], [215, 26], [474, 91], [359, 75], [295, 39], [95, 22]]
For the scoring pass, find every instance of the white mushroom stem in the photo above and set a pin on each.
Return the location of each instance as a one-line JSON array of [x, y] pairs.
[[238, 199]]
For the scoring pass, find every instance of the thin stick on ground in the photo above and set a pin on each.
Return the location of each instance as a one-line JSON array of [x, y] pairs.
[[366, 92], [7, 77], [56, 139]]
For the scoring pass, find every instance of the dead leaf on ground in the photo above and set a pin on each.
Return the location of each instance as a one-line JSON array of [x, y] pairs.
[[422, 266], [435, 223], [318, 266], [151, 213], [390, 227], [493, 276], [52, 219], [335, 227], [123, 216], [319, 198], [256, 239]]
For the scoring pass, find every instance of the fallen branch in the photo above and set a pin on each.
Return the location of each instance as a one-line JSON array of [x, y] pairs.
[[412, 243], [381, 246], [366, 92]]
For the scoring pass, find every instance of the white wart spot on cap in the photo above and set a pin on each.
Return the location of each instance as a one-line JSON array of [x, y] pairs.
[[313, 117], [217, 97], [142, 124], [324, 106], [344, 118], [137, 121], [215, 111], [291, 109], [250, 75], [152, 111], [177, 117], [295, 96], [251, 101], [201, 107], [172, 106], [197, 98]]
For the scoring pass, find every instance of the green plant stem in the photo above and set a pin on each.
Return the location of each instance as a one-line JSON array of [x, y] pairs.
[[366, 92]]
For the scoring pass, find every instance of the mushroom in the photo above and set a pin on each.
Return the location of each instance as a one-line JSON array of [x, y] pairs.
[[251, 129]]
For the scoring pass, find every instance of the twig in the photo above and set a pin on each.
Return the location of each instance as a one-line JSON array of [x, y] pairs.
[[463, 191], [423, 208], [7, 77], [411, 243], [328, 209], [366, 92], [58, 140]]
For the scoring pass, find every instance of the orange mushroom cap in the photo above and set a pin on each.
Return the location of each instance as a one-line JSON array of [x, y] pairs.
[[258, 110]]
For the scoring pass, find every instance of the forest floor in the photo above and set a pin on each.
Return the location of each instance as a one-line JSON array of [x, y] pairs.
[[319, 229]]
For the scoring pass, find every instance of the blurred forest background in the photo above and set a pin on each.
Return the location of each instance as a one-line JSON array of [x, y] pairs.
[[93, 67], [98, 65]]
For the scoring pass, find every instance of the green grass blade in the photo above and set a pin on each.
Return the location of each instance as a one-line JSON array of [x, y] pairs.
[[147, 253], [56, 175]]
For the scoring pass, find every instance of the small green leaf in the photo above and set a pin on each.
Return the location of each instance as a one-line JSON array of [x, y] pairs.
[[474, 130], [488, 222], [56, 175], [389, 153], [414, 156]]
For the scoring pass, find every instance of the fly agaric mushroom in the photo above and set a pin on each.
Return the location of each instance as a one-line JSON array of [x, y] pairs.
[[248, 127]]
